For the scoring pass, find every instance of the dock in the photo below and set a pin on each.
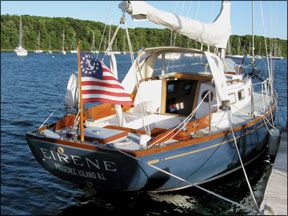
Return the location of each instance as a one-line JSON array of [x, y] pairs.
[[275, 197]]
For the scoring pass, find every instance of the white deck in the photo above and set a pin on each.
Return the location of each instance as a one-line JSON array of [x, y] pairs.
[[135, 120]]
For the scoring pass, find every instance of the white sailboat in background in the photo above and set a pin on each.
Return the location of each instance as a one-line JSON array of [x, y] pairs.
[[49, 50], [63, 42], [20, 50], [38, 45], [73, 48]]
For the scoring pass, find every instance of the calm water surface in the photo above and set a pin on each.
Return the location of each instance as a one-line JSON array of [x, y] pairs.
[[31, 88]]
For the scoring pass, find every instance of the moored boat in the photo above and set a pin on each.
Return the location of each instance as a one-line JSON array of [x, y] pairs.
[[38, 50], [187, 120], [20, 50]]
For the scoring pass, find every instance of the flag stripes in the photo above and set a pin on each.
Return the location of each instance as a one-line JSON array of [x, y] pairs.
[[100, 85]]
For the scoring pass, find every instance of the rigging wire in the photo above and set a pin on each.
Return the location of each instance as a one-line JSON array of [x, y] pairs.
[[105, 25], [240, 159], [51, 114], [185, 181], [137, 74], [184, 122]]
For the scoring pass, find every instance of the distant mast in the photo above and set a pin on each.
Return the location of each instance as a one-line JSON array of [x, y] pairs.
[[253, 46], [93, 42], [20, 33], [38, 41], [63, 40]]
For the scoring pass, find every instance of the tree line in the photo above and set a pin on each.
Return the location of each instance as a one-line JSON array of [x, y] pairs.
[[51, 30]]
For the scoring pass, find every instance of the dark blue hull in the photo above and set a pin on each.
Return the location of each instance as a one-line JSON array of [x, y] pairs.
[[104, 168]]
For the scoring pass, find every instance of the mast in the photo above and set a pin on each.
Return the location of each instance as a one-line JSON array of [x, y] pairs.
[[238, 48], [253, 46], [124, 43], [63, 39], [93, 42], [80, 95], [20, 32], [73, 41], [39, 40]]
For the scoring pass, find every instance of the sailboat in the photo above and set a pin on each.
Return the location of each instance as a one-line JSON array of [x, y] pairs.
[[20, 50], [63, 43], [38, 50], [73, 46], [49, 50], [189, 124]]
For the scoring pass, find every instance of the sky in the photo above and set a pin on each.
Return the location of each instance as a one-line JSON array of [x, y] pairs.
[[274, 13]]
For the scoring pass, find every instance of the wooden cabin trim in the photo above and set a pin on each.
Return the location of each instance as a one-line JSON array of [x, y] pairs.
[[198, 140], [193, 76], [164, 96], [66, 121], [99, 111]]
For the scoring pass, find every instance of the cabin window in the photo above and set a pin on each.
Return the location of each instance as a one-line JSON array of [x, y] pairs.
[[170, 88], [180, 96], [187, 88], [241, 94], [181, 62]]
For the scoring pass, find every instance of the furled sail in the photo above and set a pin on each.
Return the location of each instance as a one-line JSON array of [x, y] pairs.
[[72, 94], [118, 108], [213, 34]]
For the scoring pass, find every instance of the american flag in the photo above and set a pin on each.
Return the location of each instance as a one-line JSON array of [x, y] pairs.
[[100, 85]]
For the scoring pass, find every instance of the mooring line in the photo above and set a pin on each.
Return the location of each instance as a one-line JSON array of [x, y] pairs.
[[188, 182], [240, 159]]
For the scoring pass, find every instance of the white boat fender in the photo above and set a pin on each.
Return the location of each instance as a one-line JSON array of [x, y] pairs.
[[143, 140], [273, 141]]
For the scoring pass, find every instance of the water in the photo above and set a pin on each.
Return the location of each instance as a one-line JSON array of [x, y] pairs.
[[31, 88]]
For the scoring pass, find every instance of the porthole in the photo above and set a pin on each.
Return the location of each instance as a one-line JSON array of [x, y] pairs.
[[241, 95]]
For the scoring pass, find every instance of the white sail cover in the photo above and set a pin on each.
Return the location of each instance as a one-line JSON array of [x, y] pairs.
[[217, 71], [72, 93], [213, 34], [118, 108]]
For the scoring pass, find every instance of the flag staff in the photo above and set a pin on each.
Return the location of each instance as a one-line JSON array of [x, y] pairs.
[[80, 94]]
